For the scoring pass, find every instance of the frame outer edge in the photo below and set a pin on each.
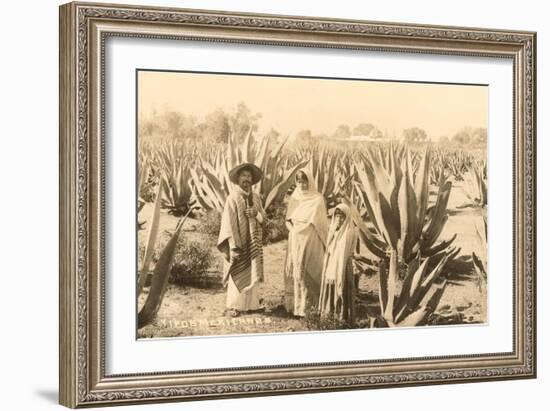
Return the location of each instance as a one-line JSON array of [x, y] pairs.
[[76, 389], [68, 351], [534, 201]]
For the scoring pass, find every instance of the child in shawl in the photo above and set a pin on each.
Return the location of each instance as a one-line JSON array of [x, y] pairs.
[[307, 223], [338, 285]]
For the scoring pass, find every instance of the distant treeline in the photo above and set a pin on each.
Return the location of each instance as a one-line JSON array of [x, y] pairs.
[[217, 125]]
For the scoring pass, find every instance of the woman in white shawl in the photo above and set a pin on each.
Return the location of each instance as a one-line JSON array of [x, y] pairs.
[[307, 223], [338, 285]]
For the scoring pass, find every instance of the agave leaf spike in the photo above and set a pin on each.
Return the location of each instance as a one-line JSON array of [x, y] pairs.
[[383, 293], [279, 148], [281, 187], [380, 178], [436, 294], [427, 306], [421, 189], [262, 160], [391, 285], [439, 216], [414, 318], [152, 233], [371, 199], [246, 148], [329, 178], [407, 212], [231, 148], [389, 222], [416, 271], [143, 172], [373, 244], [425, 284]]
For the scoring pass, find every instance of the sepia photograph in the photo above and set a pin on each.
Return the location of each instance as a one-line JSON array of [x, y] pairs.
[[259, 204], [278, 204]]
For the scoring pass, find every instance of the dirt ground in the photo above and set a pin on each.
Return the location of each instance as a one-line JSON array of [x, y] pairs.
[[188, 311]]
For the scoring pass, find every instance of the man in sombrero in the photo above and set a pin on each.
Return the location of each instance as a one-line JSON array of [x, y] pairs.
[[240, 241]]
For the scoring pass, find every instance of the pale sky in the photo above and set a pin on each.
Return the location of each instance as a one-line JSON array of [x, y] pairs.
[[293, 104]]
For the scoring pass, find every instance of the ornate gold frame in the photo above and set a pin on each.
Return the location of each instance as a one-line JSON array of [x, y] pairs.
[[83, 30]]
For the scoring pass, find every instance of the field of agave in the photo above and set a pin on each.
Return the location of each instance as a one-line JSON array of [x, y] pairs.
[[398, 194]]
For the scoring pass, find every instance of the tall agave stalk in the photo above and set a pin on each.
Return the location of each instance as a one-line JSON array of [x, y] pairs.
[[160, 279], [152, 234], [143, 175], [396, 204]]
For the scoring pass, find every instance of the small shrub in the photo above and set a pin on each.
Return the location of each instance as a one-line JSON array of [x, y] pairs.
[[210, 223], [140, 253], [191, 264], [149, 189], [314, 321]]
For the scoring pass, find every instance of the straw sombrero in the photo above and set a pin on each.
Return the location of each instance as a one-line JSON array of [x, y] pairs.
[[254, 170]]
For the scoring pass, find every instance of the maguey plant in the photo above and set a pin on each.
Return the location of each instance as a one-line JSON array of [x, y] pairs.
[[457, 162], [437, 168], [175, 159], [400, 228], [396, 204], [332, 169], [476, 184], [210, 180]]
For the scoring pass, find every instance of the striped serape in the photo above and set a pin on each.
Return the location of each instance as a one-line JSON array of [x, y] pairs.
[[244, 234]]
